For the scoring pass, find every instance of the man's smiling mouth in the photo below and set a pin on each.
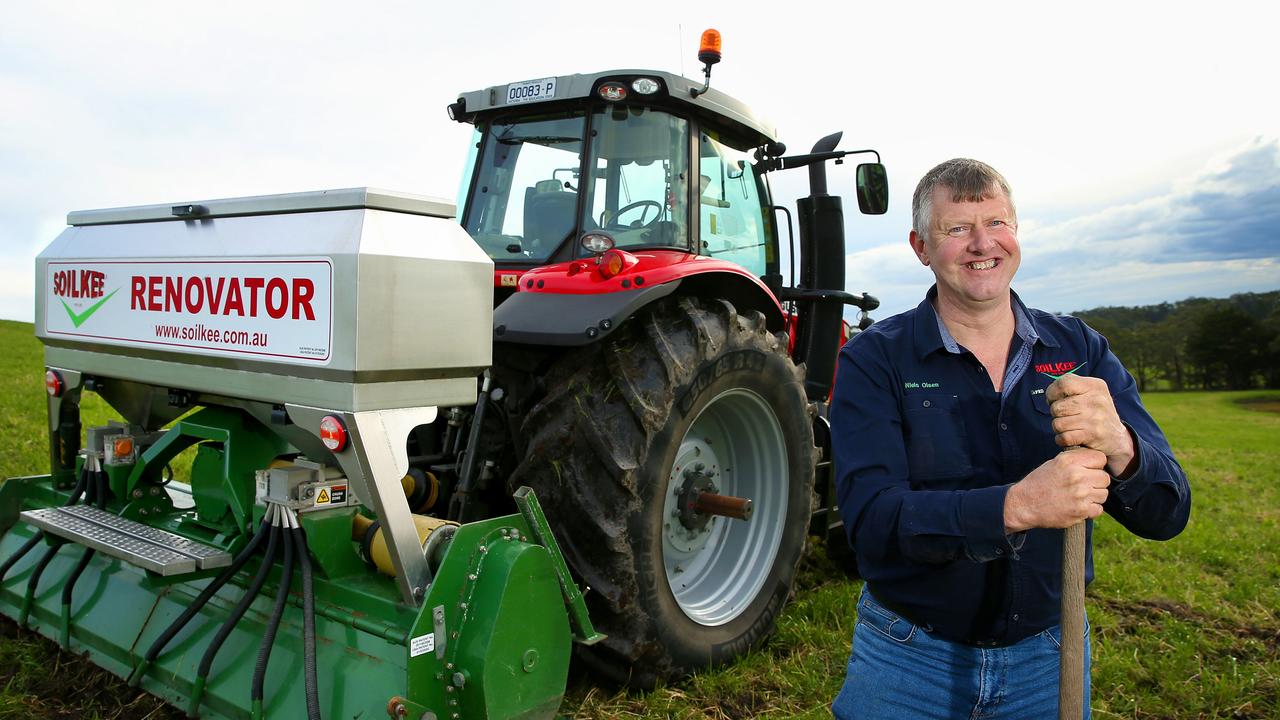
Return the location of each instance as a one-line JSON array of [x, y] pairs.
[[984, 265]]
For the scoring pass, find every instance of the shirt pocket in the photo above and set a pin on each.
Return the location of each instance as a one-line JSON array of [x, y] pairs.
[[1042, 442], [937, 445]]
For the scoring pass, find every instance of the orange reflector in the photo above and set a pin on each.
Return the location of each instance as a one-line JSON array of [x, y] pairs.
[[333, 433], [122, 447], [611, 263], [709, 50], [53, 383]]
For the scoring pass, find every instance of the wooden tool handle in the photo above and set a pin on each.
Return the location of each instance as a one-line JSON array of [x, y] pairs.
[[1071, 661]]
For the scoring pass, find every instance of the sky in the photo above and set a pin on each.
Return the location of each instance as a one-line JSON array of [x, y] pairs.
[[1143, 145]]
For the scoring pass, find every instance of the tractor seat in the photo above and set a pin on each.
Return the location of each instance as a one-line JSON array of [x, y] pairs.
[[549, 217]]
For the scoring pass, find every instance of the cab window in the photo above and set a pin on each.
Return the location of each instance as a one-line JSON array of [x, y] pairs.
[[525, 198], [732, 222], [639, 181]]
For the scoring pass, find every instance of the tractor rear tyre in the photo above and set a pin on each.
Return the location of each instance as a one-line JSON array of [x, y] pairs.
[[686, 398]]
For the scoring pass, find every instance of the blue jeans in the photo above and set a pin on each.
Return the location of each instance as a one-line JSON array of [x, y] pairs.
[[898, 671]]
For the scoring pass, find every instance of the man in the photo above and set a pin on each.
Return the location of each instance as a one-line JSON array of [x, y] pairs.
[[968, 432]]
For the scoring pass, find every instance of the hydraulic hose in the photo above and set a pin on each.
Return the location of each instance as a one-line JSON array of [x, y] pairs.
[[81, 484], [33, 583], [211, 652], [308, 620], [68, 587], [273, 624], [458, 504], [216, 584]]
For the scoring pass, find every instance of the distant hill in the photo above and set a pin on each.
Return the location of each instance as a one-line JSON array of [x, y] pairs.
[[1208, 343]]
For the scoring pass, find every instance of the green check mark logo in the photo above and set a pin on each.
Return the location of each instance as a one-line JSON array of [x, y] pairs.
[[1072, 371], [78, 319]]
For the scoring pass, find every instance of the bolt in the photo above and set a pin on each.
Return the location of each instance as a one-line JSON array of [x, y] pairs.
[[137, 494], [419, 593], [448, 688], [472, 577], [439, 676], [699, 466], [143, 511], [524, 539], [484, 549], [453, 702], [454, 634], [311, 492], [396, 707], [155, 491], [462, 606], [459, 680]]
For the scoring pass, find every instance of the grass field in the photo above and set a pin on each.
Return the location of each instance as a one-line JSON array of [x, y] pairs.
[[1184, 629]]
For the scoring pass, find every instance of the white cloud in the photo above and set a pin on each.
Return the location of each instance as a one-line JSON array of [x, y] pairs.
[[1217, 232]]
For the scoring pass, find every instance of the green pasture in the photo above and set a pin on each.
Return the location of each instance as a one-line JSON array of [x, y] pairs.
[[1189, 628]]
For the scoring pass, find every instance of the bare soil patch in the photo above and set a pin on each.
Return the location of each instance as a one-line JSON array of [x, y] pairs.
[[1260, 404]]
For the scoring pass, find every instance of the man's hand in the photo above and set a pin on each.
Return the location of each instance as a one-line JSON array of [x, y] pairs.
[[1060, 493], [1085, 416]]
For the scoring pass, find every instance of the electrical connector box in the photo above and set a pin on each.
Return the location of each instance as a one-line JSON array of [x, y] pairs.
[[304, 486]]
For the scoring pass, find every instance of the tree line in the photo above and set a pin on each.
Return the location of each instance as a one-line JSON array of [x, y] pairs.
[[1198, 343]]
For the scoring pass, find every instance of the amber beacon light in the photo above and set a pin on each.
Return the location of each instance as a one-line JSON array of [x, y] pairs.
[[709, 50], [708, 55]]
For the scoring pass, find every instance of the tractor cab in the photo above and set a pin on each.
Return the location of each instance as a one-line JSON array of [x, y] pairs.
[[632, 153]]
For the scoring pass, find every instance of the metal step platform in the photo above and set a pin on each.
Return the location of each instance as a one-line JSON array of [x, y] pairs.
[[159, 551]]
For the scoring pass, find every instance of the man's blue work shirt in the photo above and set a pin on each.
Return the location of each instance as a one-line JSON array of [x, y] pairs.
[[926, 448]]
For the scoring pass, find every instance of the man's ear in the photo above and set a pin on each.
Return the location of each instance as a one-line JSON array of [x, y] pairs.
[[918, 244]]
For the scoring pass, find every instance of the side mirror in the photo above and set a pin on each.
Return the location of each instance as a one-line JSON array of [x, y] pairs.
[[873, 189]]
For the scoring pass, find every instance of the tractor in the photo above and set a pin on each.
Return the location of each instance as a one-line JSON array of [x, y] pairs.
[[418, 454]]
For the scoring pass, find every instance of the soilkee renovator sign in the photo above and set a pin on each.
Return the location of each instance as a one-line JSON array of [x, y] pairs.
[[281, 309]]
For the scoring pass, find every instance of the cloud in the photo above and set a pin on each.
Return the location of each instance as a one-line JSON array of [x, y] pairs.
[[1227, 212], [1211, 234]]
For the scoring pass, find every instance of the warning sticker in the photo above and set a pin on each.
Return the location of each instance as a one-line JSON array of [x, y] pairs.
[[333, 495], [422, 644]]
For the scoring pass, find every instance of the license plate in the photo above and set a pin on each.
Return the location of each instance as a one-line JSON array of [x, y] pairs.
[[531, 90]]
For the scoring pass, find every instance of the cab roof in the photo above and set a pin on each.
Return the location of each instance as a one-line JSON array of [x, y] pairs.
[[712, 105]]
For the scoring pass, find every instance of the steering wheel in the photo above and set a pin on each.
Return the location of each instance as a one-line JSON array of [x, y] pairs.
[[615, 224]]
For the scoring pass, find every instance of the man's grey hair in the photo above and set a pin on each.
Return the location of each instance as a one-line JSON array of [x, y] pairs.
[[968, 180]]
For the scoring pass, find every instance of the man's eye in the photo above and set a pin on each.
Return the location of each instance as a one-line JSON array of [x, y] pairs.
[[997, 223], [958, 231]]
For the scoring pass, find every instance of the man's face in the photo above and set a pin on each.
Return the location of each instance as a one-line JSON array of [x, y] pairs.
[[972, 248]]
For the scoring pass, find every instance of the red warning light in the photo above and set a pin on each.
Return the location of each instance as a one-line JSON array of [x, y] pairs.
[[333, 433], [53, 383]]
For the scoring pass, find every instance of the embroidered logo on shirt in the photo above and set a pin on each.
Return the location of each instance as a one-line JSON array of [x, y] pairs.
[[1056, 370], [913, 385]]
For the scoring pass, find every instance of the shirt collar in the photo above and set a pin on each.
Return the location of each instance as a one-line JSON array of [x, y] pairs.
[[931, 333]]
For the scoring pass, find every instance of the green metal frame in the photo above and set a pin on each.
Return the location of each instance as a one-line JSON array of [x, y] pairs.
[[492, 638], [247, 446]]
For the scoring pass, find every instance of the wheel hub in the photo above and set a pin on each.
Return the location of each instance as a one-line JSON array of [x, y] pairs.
[[697, 480]]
